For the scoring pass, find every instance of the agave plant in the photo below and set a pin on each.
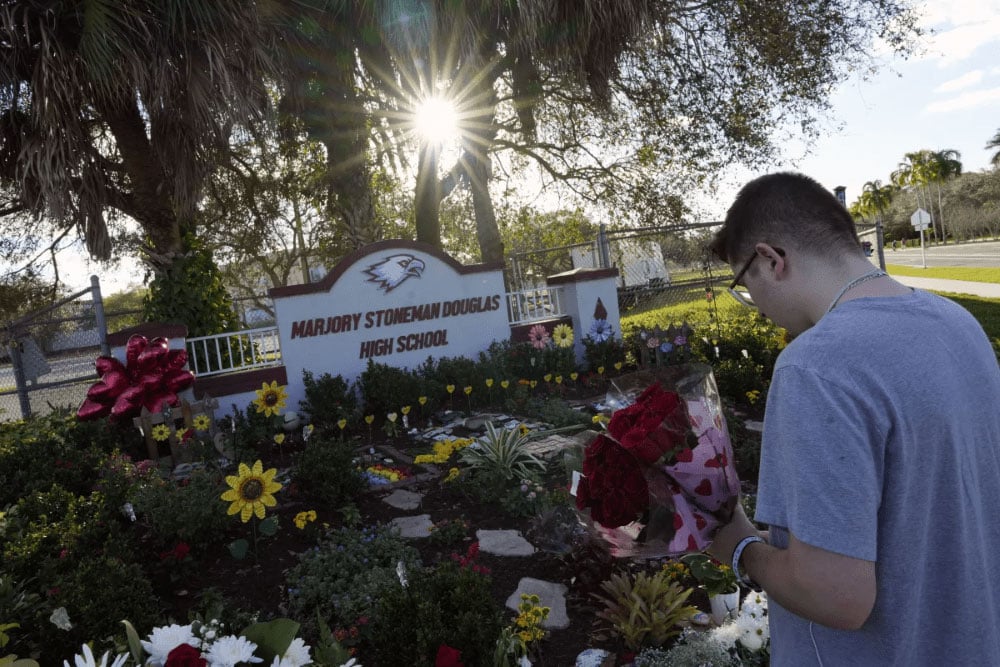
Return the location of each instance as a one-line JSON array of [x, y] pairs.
[[503, 453], [643, 611]]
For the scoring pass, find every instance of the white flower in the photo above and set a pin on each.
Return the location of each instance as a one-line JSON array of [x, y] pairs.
[[726, 635], [401, 573], [165, 639], [353, 662], [296, 655], [60, 619], [230, 650], [754, 632], [87, 659]]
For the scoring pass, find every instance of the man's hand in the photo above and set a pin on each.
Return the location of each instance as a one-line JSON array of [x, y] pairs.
[[728, 536], [819, 585]]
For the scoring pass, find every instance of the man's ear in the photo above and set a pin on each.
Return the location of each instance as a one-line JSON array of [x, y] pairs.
[[773, 257]]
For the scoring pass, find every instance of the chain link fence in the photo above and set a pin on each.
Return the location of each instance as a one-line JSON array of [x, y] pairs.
[[47, 357], [657, 266]]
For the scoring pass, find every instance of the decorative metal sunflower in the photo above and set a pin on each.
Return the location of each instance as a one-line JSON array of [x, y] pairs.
[[251, 491], [562, 335], [161, 432], [201, 422], [270, 399]]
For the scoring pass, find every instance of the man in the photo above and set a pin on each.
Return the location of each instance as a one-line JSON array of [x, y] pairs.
[[878, 481]]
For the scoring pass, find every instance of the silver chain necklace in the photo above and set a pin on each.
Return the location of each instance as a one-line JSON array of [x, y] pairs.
[[871, 275]]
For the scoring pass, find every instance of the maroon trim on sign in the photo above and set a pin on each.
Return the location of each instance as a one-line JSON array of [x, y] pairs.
[[519, 332], [580, 276], [149, 330], [334, 274], [238, 383]]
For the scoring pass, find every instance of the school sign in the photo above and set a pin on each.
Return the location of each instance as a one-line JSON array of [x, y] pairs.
[[394, 302]]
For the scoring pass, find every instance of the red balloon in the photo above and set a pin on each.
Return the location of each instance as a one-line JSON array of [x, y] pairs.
[[106, 364], [176, 359], [133, 348], [151, 381], [157, 401], [128, 404], [154, 354], [177, 380], [92, 410]]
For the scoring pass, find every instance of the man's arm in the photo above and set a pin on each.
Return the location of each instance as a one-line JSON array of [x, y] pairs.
[[818, 585]]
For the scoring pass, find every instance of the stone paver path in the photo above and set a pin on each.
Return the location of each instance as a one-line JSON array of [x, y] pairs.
[[413, 527], [504, 543], [549, 594], [403, 499]]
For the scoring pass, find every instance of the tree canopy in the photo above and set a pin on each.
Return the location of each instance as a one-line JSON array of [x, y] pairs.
[[128, 108]]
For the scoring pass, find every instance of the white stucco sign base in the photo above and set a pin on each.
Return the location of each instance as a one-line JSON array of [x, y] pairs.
[[393, 302]]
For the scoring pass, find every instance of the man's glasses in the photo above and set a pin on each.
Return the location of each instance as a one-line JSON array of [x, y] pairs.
[[743, 295]]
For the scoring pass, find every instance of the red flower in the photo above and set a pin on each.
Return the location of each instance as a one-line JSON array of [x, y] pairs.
[[613, 486], [654, 426], [448, 657], [185, 655]]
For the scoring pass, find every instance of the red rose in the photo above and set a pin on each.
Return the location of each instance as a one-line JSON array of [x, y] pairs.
[[622, 421], [654, 426], [613, 486], [185, 655], [448, 657]]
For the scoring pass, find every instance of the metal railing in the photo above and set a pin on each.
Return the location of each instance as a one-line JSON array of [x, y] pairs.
[[532, 305], [235, 350]]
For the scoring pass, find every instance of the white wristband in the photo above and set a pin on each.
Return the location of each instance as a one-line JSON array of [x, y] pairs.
[[738, 553]]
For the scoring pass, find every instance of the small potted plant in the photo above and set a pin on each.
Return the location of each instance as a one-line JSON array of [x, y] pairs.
[[719, 581]]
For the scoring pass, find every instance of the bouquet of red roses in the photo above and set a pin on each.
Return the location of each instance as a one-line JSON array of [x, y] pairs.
[[661, 479]]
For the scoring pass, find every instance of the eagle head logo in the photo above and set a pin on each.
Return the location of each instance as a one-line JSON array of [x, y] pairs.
[[393, 270]]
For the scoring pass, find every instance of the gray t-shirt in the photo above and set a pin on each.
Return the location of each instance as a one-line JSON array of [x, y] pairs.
[[882, 442]]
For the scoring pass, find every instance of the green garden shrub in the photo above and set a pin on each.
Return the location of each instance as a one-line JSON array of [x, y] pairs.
[[325, 470], [189, 510], [329, 398], [343, 578], [386, 389], [446, 604]]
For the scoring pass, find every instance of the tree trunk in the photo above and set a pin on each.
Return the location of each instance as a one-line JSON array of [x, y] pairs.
[[477, 144], [349, 181], [427, 202], [150, 202], [944, 239]]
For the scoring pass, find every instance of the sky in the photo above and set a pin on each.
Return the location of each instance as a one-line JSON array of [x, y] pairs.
[[946, 97]]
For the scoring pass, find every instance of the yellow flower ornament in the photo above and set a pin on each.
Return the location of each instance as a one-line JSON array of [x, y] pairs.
[[562, 335], [201, 422], [251, 491], [270, 399], [161, 432]]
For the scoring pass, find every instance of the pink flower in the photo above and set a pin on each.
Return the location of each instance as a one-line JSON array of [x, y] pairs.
[[539, 337]]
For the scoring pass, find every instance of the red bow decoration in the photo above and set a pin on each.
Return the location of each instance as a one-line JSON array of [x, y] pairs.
[[150, 378]]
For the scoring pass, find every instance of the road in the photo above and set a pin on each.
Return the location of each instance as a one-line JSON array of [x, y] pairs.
[[977, 255]]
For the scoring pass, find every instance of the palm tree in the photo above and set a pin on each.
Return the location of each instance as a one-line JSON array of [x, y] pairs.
[[944, 164], [915, 173], [994, 143], [118, 108]]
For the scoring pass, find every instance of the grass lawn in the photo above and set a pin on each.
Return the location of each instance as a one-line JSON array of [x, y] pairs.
[[694, 309], [974, 274]]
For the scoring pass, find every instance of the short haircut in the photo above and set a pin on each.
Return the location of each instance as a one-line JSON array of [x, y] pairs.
[[785, 209]]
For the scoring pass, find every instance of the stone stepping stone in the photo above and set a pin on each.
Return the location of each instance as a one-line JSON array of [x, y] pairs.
[[548, 447], [413, 527], [595, 657], [549, 594], [405, 500], [504, 543]]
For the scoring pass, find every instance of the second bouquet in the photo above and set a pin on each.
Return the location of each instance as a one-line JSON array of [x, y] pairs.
[[662, 478]]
